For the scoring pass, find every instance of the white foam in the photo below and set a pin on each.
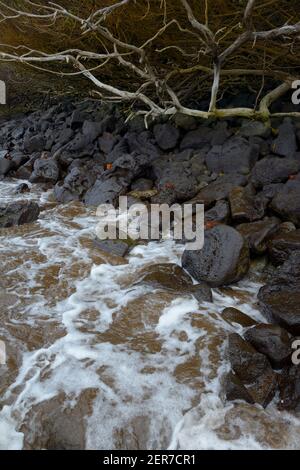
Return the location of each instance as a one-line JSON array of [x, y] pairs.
[[139, 392], [10, 439]]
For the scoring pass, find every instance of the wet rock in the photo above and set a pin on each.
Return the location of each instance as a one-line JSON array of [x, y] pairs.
[[273, 170], [166, 136], [106, 191], [114, 247], [289, 271], [235, 390], [285, 144], [22, 188], [258, 233], [45, 171], [58, 423], [272, 341], [244, 205], [286, 203], [224, 259], [218, 189], [18, 213], [246, 362], [280, 304], [253, 370], [219, 213], [24, 172], [281, 246], [171, 277], [202, 292], [289, 388], [237, 155], [233, 315]]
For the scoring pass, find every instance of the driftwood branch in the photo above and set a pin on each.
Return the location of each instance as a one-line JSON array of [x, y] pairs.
[[136, 60]]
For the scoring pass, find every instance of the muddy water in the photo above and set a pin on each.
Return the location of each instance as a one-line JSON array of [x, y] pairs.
[[96, 361]]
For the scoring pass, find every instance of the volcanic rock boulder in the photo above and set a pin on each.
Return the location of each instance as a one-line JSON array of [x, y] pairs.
[[237, 155], [244, 205], [223, 260], [55, 424], [285, 144], [166, 136], [272, 341], [289, 272], [234, 316], [142, 142], [18, 213], [289, 388], [253, 370], [76, 183], [105, 191], [171, 277], [258, 233], [6, 163], [219, 213], [235, 389], [34, 143], [282, 245], [45, 171], [218, 189], [273, 170], [196, 139], [114, 247], [254, 129], [286, 202], [280, 304]]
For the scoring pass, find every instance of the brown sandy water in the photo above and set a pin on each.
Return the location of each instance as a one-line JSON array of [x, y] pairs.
[[95, 360]]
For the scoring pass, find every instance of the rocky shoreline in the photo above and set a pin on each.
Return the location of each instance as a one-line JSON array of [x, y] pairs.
[[246, 174]]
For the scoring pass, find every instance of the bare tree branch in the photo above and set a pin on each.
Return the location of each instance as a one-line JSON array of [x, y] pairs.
[[152, 87]]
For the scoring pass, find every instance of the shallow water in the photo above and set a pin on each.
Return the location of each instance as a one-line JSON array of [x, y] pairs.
[[96, 360]]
